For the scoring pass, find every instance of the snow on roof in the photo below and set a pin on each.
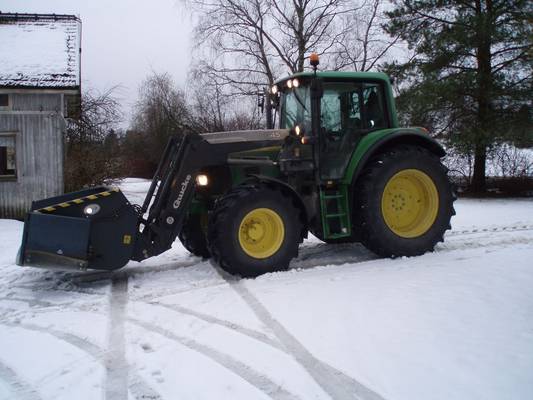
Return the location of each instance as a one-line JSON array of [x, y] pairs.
[[40, 50]]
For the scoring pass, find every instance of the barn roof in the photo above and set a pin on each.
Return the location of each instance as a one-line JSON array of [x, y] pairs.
[[40, 51]]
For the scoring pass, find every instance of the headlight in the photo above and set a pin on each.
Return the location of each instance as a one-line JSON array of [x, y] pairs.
[[295, 83], [91, 209], [274, 89], [289, 84], [201, 180], [297, 130]]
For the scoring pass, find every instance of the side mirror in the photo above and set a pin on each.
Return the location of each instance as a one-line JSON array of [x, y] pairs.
[[273, 98]]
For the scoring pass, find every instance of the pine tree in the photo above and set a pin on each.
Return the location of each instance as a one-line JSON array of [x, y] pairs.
[[471, 76]]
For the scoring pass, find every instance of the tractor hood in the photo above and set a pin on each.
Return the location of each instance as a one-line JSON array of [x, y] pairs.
[[258, 135]]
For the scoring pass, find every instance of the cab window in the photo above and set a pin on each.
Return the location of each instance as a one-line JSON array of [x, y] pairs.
[[376, 116], [349, 110], [340, 109], [341, 122]]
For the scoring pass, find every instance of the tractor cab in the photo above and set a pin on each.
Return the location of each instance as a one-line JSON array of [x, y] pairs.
[[350, 105]]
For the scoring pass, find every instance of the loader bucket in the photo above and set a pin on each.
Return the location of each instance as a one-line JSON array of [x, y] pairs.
[[91, 229]]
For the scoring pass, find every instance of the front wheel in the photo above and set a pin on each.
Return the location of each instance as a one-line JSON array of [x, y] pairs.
[[404, 202], [253, 230], [192, 235]]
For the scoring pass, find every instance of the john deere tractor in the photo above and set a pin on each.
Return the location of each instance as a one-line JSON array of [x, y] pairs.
[[336, 164]]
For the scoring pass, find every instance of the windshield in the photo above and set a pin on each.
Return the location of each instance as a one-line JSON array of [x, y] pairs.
[[296, 108]]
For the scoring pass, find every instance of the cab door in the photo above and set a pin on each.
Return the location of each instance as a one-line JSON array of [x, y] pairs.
[[348, 111]]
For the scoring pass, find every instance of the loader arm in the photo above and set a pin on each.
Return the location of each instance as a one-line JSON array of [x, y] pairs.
[[173, 184]]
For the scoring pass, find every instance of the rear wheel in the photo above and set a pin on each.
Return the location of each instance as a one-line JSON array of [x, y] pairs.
[[404, 202], [254, 229], [193, 235]]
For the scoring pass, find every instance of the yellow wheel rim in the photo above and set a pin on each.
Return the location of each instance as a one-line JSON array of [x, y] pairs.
[[410, 203], [261, 233]]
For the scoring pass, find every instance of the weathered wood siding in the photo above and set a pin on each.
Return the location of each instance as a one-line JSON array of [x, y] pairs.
[[38, 123], [36, 102]]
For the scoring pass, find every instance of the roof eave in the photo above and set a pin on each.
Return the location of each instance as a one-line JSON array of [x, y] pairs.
[[37, 88]]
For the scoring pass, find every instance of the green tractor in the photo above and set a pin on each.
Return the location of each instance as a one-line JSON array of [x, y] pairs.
[[337, 164]]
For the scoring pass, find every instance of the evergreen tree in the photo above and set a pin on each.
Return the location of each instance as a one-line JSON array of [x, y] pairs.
[[471, 76]]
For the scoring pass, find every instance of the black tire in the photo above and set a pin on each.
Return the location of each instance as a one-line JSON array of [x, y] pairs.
[[376, 234], [193, 236], [225, 224]]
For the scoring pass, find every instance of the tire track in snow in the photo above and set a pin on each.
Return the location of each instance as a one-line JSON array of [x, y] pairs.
[[467, 242], [174, 291], [117, 369], [128, 272], [20, 388], [12, 313], [31, 302], [259, 336], [480, 230], [331, 254], [87, 347], [335, 383], [318, 254], [321, 254], [139, 388], [7, 313], [254, 378], [230, 325], [172, 266], [55, 288]]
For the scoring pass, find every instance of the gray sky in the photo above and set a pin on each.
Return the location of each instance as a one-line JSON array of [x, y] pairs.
[[123, 40]]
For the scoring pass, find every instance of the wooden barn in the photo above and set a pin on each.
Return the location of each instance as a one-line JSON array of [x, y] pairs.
[[39, 89]]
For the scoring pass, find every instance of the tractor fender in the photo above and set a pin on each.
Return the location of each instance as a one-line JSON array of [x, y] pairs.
[[288, 189], [379, 141]]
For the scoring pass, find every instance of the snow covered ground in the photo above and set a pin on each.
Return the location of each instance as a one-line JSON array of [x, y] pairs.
[[341, 324]]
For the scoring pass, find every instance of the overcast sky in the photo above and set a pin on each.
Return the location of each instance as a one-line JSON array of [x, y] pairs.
[[123, 40]]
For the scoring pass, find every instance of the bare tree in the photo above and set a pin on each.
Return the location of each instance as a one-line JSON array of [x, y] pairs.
[[100, 113], [302, 26], [91, 141], [364, 45], [161, 111], [233, 43], [214, 111], [161, 108], [241, 45], [252, 42]]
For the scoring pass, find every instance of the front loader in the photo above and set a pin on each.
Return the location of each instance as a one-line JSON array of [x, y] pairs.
[[337, 165]]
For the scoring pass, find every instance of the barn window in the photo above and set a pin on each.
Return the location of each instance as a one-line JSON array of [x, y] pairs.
[[4, 101], [8, 163]]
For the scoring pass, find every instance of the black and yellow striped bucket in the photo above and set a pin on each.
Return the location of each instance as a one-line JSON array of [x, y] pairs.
[[90, 229]]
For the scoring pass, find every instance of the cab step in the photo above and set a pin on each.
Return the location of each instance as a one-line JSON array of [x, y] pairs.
[[334, 204]]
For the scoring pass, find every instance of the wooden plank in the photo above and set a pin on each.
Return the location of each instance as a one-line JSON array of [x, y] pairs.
[[39, 158]]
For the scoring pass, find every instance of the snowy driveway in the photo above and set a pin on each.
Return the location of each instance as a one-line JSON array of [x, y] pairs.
[[341, 324]]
